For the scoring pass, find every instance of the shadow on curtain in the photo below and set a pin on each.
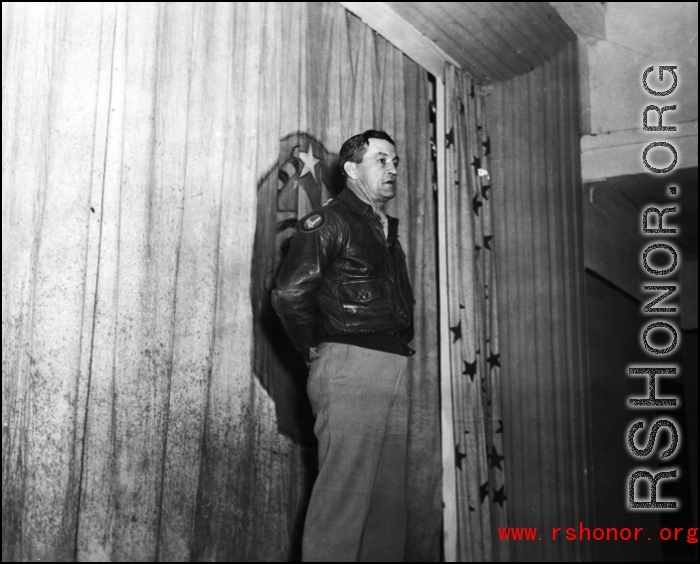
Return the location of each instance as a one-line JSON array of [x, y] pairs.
[[306, 177], [341, 79]]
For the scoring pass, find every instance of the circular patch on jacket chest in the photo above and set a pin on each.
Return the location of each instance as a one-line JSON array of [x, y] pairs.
[[313, 222]]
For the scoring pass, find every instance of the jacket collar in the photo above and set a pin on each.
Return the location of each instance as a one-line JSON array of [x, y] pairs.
[[350, 199], [354, 203]]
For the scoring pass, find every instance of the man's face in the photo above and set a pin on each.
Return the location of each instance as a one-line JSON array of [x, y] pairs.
[[375, 176]]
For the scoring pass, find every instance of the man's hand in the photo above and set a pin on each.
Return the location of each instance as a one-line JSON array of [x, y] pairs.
[[313, 355]]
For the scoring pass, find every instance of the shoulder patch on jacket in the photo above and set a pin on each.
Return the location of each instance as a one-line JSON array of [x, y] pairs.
[[313, 222]]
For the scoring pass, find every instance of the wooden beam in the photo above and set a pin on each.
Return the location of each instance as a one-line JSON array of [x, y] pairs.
[[618, 153], [382, 19], [449, 479]]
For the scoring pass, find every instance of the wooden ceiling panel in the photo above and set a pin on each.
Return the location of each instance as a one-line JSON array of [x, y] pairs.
[[434, 28], [509, 30], [493, 41], [481, 29]]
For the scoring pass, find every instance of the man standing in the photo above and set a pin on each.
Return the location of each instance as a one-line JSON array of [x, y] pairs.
[[344, 298]]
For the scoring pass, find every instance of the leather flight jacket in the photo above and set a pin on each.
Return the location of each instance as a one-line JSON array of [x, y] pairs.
[[344, 281]]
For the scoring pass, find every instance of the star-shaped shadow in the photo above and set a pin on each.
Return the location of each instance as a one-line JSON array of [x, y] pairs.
[[487, 240], [485, 188]]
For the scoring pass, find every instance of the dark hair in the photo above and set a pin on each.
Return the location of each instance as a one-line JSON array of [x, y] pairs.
[[354, 149]]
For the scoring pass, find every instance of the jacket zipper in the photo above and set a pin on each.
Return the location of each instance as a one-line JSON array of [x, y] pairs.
[[392, 250]]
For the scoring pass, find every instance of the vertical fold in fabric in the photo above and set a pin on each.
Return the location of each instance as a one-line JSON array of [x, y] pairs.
[[536, 191], [416, 208]]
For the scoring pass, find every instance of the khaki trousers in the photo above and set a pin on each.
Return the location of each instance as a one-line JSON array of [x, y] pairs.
[[357, 511]]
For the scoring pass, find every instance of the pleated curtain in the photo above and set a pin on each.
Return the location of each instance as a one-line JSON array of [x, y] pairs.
[[481, 492], [141, 144]]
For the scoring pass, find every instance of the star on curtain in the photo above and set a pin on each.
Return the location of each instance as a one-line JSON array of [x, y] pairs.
[[457, 330], [495, 458], [500, 426], [476, 204], [310, 162], [484, 491], [499, 496], [493, 360], [470, 369], [459, 456], [450, 138], [487, 240], [485, 188], [476, 163], [487, 146]]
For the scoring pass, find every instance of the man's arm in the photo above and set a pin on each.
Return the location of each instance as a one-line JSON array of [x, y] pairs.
[[313, 248]]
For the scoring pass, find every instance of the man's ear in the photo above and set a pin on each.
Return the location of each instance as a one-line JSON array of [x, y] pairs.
[[350, 169]]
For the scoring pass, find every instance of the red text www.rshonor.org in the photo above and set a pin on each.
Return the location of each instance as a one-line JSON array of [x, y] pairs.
[[583, 533]]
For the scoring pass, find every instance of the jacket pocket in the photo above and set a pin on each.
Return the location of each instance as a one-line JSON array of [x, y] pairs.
[[366, 306], [362, 291]]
